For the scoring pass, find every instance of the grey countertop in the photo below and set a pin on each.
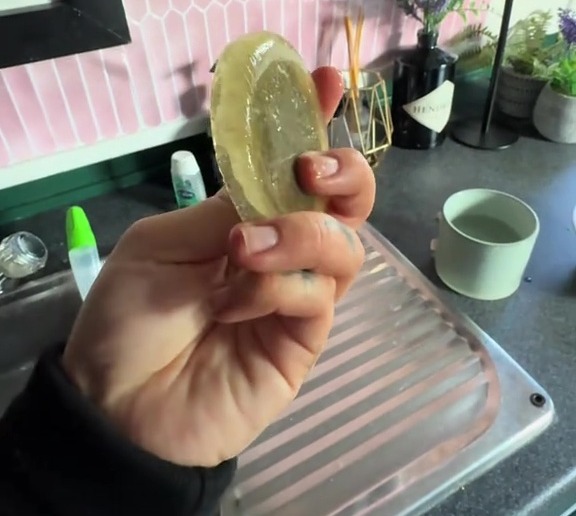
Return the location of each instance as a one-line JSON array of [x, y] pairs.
[[537, 326]]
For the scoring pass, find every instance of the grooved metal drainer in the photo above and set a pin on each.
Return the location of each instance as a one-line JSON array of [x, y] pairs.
[[409, 402]]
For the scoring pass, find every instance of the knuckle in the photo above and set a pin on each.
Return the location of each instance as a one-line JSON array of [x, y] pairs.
[[364, 177], [266, 283], [137, 232], [356, 254], [357, 157], [360, 256], [263, 287], [349, 154], [138, 227], [331, 287], [317, 229], [361, 165], [247, 289]]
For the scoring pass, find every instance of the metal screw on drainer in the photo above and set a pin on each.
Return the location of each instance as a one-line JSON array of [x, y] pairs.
[[21, 255], [537, 399]]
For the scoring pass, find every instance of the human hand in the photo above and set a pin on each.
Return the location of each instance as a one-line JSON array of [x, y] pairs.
[[199, 332]]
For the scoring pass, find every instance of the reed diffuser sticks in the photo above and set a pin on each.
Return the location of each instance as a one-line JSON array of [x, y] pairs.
[[353, 40]]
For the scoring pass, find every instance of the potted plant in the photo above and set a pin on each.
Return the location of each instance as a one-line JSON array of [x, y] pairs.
[[555, 110], [474, 45], [529, 53]]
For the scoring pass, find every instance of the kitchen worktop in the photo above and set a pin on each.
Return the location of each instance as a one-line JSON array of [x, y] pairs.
[[537, 326]]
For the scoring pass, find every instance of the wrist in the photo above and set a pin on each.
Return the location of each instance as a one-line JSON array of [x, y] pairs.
[[74, 434]]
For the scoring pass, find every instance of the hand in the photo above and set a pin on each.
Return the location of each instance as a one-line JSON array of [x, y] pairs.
[[199, 332]]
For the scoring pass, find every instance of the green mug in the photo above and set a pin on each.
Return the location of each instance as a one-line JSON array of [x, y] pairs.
[[484, 243]]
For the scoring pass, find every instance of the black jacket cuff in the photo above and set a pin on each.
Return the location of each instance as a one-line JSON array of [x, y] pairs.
[[61, 456]]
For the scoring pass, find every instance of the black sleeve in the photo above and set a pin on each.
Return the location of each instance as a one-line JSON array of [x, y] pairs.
[[60, 457]]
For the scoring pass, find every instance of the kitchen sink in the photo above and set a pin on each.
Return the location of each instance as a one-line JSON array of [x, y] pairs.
[[409, 402], [34, 316]]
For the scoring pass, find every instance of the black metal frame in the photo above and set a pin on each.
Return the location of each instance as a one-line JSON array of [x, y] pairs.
[[68, 27], [484, 134]]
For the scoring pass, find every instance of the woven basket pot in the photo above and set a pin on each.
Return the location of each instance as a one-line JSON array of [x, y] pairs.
[[517, 94]]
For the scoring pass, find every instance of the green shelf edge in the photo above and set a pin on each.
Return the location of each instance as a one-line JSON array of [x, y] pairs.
[[76, 185]]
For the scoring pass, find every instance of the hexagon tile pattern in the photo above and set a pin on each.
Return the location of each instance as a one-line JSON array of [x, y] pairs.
[[163, 76]]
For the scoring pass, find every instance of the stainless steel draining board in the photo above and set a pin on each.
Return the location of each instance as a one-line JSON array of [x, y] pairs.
[[409, 402]]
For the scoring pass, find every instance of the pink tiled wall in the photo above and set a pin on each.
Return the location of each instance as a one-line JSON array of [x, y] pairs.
[[163, 76]]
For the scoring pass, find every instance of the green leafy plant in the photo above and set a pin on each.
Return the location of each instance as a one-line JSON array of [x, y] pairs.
[[474, 46], [528, 50], [431, 13], [563, 72], [564, 76]]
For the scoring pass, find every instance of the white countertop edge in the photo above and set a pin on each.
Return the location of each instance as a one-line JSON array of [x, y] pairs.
[[53, 164]]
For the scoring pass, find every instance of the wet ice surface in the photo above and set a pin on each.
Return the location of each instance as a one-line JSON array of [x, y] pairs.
[[265, 113], [286, 126]]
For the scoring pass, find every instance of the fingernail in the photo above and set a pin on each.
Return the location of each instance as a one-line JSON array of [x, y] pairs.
[[325, 166], [259, 238], [220, 299]]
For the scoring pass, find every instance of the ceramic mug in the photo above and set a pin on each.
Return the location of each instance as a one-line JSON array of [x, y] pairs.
[[484, 243]]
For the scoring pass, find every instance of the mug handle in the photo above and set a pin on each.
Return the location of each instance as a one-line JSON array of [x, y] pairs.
[[434, 241]]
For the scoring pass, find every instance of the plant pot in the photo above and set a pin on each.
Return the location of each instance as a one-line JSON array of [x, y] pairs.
[[517, 93], [555, 116]]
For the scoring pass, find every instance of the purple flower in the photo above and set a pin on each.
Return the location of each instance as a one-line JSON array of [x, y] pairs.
[[568, 25], [430, 13], [432, 6], [409, 8]]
